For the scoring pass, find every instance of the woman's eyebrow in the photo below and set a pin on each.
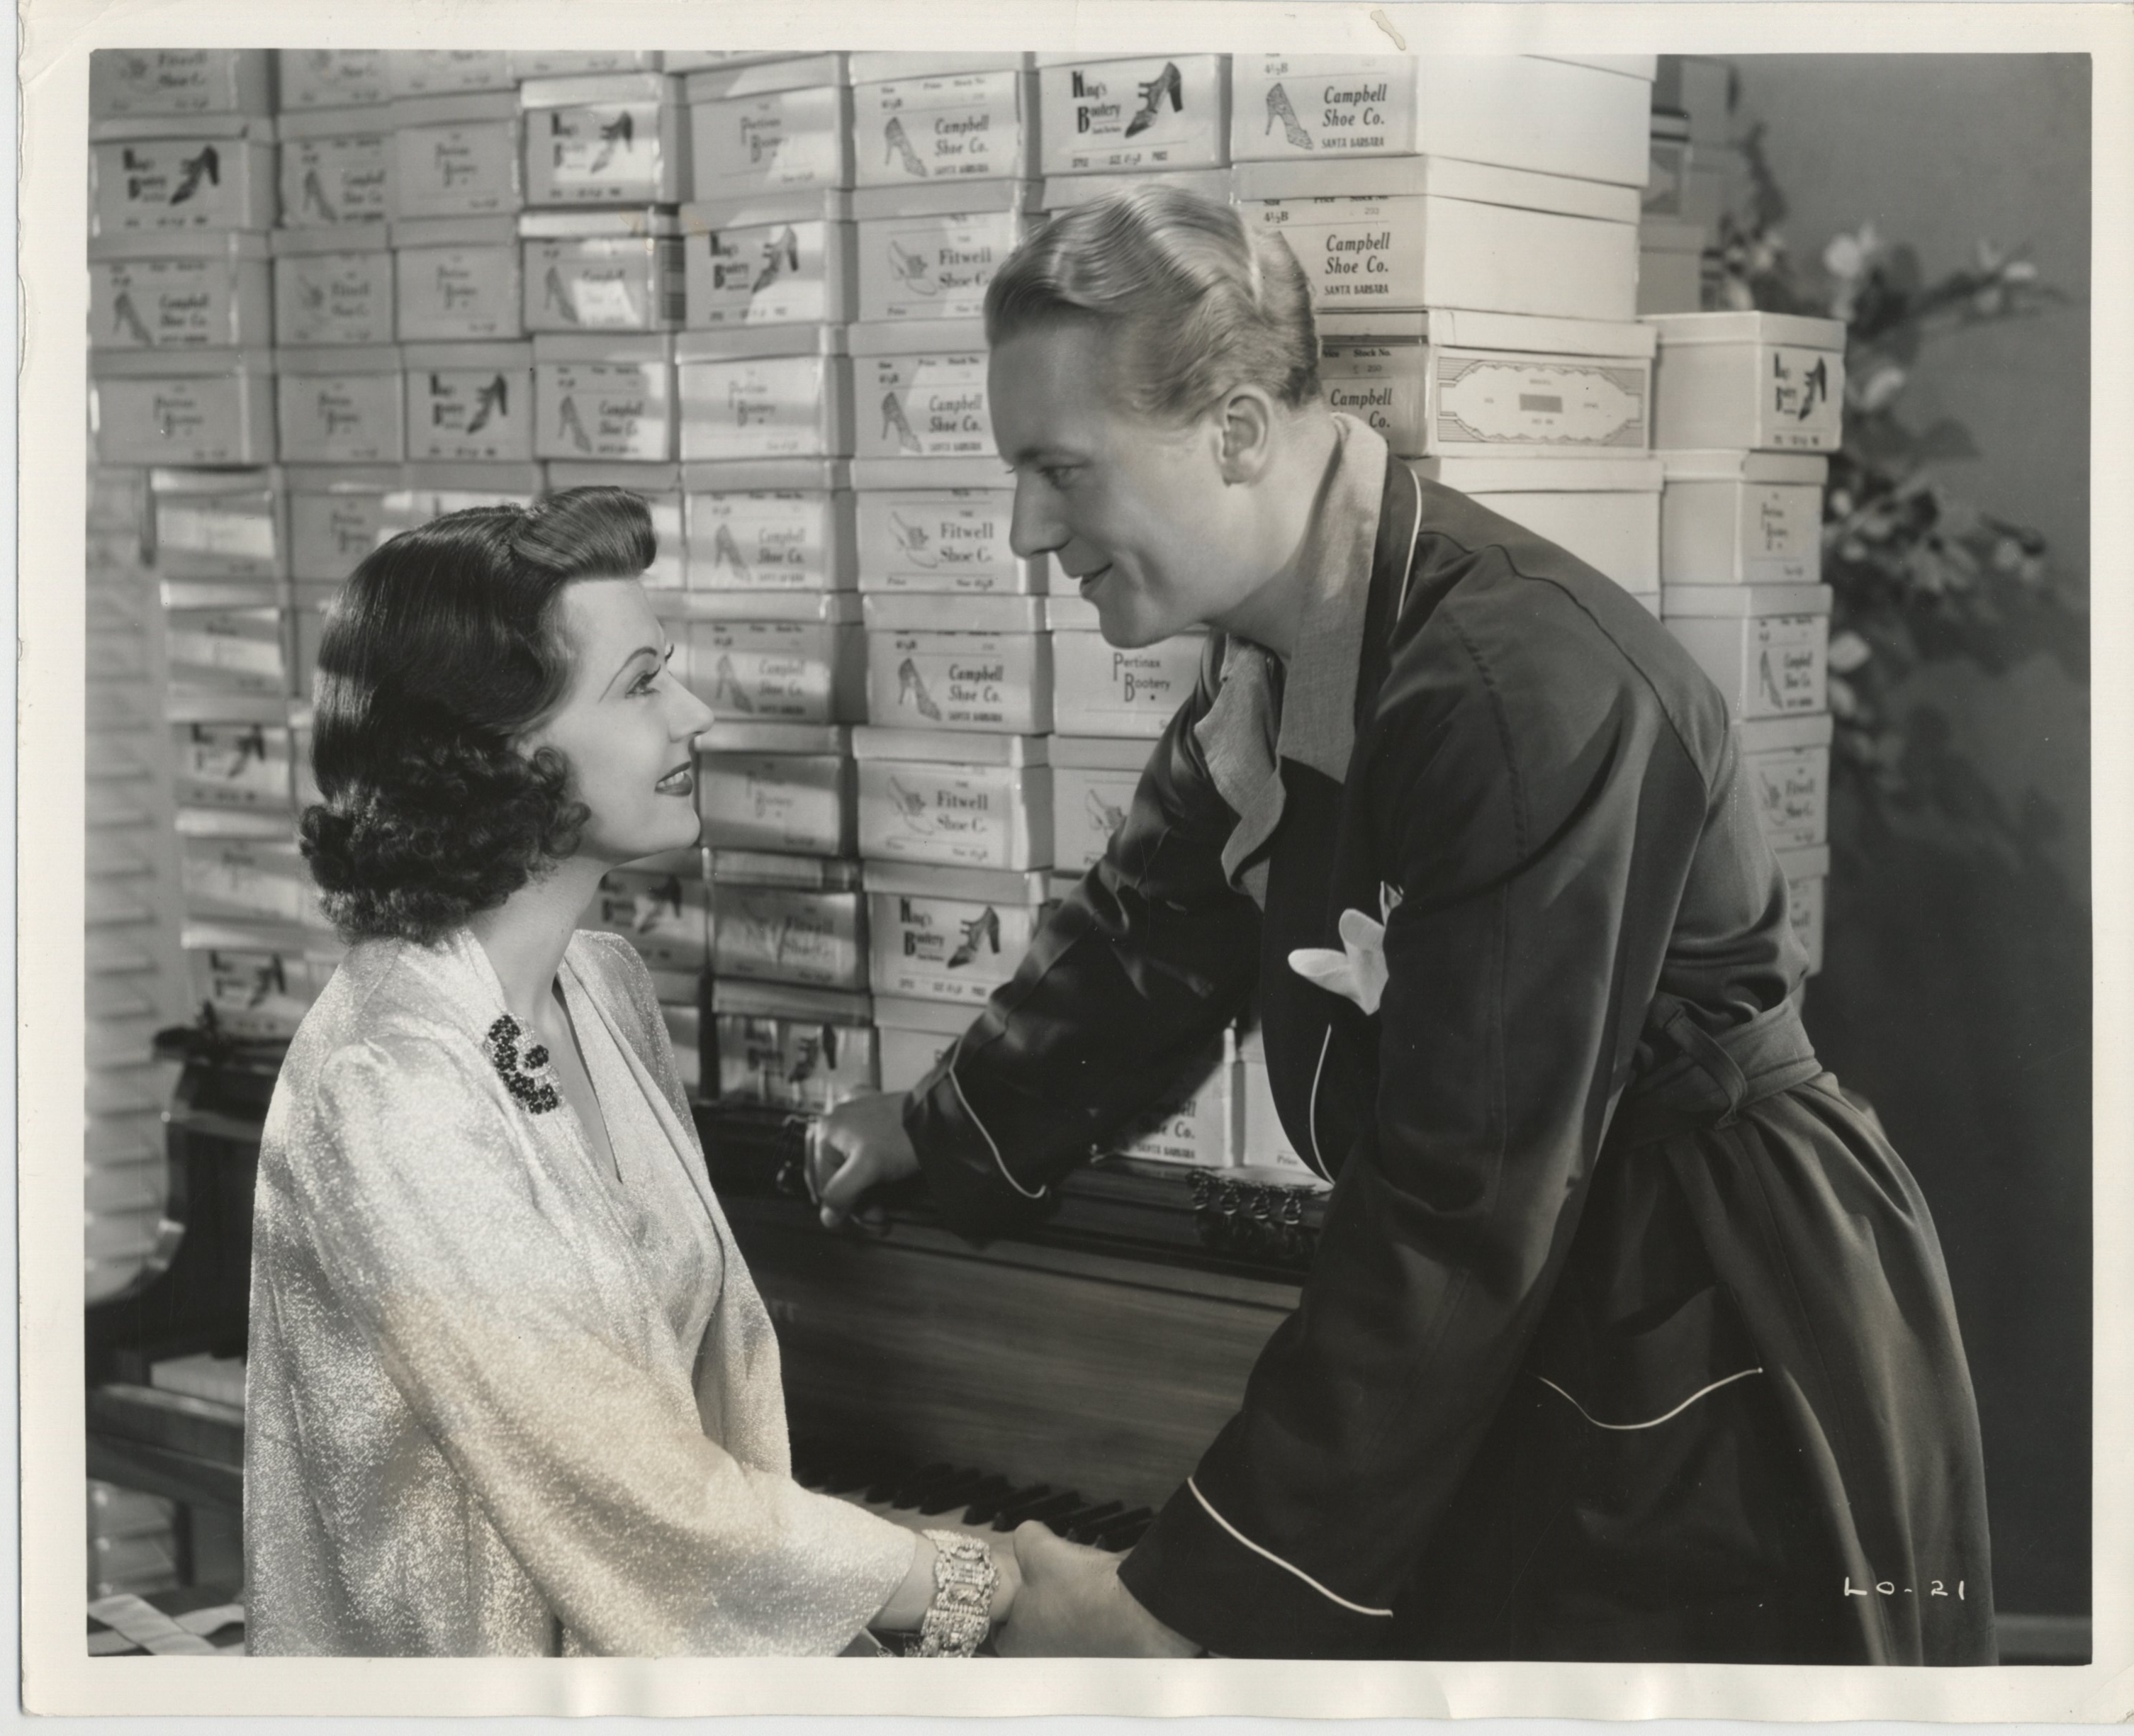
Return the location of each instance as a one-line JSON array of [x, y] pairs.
[[643, 650]]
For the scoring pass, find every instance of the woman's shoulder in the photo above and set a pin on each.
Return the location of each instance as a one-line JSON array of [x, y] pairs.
[[388, 1004]]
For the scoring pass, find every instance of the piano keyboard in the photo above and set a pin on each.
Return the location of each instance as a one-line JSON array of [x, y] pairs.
[[945, 1497]]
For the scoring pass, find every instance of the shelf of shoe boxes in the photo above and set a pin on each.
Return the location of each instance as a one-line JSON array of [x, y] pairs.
[[180, 195], [1746, 407]]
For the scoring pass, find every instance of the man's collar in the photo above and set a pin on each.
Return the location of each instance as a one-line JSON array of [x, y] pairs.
[[1319, 704], [1262, 714]]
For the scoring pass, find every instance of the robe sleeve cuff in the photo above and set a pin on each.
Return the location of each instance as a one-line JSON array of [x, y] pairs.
[[1199, 1574], [967, 1173]]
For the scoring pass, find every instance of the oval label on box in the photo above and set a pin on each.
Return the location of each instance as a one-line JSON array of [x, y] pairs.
[[1538, 401]]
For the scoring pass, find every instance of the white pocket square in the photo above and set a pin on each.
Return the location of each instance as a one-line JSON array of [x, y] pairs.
[[1358, 972]]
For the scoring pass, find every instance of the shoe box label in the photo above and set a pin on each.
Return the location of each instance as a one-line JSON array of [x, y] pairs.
[[976, 124], [1154, 114]]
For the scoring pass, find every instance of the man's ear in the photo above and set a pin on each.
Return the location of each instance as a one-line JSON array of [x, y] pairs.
[[1248, 434]]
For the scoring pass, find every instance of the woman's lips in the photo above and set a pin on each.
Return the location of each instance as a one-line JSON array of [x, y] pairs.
[[682, 781]]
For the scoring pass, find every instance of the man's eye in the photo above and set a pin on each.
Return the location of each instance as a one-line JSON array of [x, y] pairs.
[[1060, 476]]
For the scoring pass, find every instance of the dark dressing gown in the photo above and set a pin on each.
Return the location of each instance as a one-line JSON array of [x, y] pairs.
[[1628, 1335]]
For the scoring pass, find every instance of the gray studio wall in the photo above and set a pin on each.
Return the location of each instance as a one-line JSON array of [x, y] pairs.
[[1957, 993]]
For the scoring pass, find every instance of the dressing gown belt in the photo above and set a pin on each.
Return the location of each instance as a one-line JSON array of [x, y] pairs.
[[1708, 1081]]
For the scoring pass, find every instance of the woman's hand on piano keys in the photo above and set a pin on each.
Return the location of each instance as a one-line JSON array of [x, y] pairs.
[[855, 1148], [1071, 1605]]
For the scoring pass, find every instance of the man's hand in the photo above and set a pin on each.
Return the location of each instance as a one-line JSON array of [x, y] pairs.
[[855, 1148], [1071, 1605]]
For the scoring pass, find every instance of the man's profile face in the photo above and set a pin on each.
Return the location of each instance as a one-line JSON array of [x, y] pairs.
[[1135, 511]]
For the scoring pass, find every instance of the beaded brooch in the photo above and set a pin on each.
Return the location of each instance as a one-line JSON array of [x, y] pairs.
[[521, 1068]]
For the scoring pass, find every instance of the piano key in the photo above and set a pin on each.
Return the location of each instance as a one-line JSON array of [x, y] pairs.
[[955, 1492], [884, 1487], [1126, 1532], [1080, 1527], [990, 1511], [1062, 1523], [914, 1492], [848, 1478], [1019, 1512], [992, 1489]]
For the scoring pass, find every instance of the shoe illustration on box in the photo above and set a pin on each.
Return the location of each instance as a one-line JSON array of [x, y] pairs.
[[493, 399], [208, 164], [125, 318], [900, 145], [315, 196], [984, 928], [1106, 818], [617, 133], [558, 297], [914, 272], [568, 423], [727, 688], [1279, 109], [912, 539], [911, 807], [911, 688], [1168, 82], [725, 552], [893, 417], [781, 256]]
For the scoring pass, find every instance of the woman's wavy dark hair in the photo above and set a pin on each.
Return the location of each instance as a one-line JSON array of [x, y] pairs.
[[441, 650]]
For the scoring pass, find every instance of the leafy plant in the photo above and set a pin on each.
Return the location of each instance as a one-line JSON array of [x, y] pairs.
[[1920, 574]]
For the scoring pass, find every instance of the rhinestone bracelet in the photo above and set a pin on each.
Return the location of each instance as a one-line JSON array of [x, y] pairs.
[[961, 1614]]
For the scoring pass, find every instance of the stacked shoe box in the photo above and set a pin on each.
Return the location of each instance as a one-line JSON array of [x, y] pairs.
[[188, 152], [256, 945], [460, 184], [1746, 406], [769, 614], [134, 974], [1469, 228], [181, 190], [953, 777]]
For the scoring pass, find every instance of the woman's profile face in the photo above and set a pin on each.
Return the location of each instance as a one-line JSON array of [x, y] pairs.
[[1137, 512], [626, 724]]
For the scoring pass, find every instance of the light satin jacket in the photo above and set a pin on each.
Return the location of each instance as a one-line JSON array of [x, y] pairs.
[[481, 1417]]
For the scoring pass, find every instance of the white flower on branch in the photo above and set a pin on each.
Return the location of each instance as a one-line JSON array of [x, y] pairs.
[[1848, 650]]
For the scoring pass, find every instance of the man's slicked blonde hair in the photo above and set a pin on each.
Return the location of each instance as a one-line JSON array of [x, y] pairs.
[[1198, 302]]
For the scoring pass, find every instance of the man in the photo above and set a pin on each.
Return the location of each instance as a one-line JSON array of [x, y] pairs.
[[1627, 1336]]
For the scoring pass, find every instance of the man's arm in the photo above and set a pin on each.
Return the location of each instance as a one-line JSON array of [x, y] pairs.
[[1153, 954]]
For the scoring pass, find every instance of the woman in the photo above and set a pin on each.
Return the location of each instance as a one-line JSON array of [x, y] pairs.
[[509, 1388], [1627, 1336]]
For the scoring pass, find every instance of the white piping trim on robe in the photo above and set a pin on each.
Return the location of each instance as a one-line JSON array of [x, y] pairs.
[[1625, 1427], [1311, 1108], [998, 1160], [1361, 1609]]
